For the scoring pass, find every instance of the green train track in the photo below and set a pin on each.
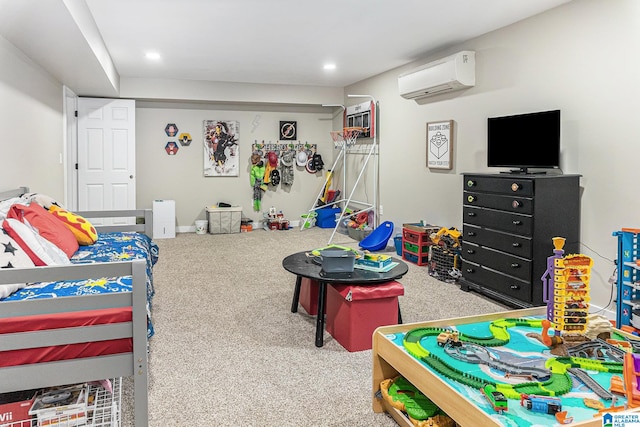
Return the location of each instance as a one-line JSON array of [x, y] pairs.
[[559, 383]]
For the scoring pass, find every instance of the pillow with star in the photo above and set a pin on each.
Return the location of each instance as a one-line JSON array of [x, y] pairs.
[[12, 256]]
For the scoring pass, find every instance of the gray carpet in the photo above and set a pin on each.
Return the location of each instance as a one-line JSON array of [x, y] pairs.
[[228, 351]]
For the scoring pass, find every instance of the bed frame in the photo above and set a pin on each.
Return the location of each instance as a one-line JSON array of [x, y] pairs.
[[133, 364]]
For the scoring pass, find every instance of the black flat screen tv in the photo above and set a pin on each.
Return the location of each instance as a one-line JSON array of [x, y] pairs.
[[524, 141]]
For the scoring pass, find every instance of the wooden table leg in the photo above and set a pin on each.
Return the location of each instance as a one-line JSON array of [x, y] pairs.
[[296, 295], [322, 300]]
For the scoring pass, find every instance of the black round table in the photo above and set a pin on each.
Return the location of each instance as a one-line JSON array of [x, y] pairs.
[[303, 264]]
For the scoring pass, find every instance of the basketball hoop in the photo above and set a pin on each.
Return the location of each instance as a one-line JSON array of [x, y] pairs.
[[346, 137]]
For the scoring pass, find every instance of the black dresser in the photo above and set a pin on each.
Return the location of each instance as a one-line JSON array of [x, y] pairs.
[[508, 223]]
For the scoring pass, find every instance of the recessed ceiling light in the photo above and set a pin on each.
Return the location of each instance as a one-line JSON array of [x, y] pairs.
[[329, 66], [152, 55]]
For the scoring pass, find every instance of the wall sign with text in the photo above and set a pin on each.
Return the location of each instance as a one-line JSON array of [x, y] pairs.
[[440, 145]]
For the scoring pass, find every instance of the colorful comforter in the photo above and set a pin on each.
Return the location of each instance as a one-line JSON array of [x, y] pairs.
[[117, 246]]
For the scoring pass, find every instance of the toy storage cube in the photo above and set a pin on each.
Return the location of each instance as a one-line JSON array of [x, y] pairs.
[[354, 312], [309, 296], [224, 220]]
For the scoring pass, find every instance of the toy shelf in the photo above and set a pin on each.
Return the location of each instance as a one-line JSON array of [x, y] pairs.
[[415, 245], [628, 279]]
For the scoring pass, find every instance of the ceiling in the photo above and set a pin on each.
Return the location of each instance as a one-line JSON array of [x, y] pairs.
[[252, 41]]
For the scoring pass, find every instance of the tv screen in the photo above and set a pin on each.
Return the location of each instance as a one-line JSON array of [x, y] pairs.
[[524, 141]]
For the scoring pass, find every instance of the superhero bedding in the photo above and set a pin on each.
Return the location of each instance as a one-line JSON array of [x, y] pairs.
[[87, 319]]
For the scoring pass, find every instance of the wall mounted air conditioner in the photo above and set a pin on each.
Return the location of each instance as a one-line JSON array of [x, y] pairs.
[[454, 72]]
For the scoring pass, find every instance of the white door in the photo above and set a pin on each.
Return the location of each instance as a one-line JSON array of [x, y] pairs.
[[106, 155]]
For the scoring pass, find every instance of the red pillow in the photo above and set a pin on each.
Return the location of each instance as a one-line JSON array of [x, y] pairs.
[[47, 225]]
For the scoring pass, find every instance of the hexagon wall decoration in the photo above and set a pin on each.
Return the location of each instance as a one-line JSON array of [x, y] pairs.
[[171, 129], [185, 139], [171, 148]]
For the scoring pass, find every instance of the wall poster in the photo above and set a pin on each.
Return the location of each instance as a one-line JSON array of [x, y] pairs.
[[221, 149], [440, 145]]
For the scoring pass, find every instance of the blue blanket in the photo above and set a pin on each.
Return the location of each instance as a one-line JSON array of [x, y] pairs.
[[118, 246]]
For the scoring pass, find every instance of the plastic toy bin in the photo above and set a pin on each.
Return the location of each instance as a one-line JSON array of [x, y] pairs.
[[354, 312], [224, 220], [327, 217]]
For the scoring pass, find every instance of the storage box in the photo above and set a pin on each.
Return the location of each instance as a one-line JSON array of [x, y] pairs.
[[14, 407], [373, 260], [337, 260], [224, 220], [354, 312], [309, 296], [327, 217], [419, 227]]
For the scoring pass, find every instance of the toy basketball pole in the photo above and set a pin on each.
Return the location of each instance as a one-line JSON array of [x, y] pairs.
[[375, 206], [328, 177]]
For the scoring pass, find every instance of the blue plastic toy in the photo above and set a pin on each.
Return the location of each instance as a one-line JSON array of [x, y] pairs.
[[377, 240]]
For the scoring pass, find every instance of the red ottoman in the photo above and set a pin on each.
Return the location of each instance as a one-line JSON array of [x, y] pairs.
[[354, 312], [309, 296]]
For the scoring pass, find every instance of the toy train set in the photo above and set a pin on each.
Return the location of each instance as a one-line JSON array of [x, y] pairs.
[[564, 364]]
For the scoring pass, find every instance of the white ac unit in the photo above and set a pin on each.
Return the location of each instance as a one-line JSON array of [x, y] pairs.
[[454, 72]]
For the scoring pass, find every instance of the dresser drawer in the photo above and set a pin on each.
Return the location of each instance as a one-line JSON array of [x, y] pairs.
[[498, 220], [500, 261], [508, 185], [523, 205], [510, 243], [506, 285]]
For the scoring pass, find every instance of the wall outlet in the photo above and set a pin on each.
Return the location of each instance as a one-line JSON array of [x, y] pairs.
[[381, 210]]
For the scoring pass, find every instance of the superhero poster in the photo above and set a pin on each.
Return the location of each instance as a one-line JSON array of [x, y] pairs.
[[221, 139]]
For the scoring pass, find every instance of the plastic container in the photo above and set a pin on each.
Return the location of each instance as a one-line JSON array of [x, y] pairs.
[[201, 226], [327, 217], [308, 219], [337, 261], [397, 241], [358, 233]]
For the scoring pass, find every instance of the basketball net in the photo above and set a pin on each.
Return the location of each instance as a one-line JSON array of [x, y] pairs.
[[347, 136]]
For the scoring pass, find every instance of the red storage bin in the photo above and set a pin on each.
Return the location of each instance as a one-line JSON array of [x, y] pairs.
[[309, 296], [354, 312]]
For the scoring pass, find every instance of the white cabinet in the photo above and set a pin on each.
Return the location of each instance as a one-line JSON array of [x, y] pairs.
[[164, 219]]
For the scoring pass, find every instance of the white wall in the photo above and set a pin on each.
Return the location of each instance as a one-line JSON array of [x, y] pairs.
[[580, 58], [181, 177], [31, 120]]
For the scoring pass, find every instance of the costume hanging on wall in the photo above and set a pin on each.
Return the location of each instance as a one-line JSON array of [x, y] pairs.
[[286, 168], [256, 180], [272, 163]]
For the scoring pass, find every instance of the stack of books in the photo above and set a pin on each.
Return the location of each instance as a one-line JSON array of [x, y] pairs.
[[61, 407]]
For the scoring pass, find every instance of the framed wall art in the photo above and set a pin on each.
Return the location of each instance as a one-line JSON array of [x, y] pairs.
[[221, 150], [440, 145]]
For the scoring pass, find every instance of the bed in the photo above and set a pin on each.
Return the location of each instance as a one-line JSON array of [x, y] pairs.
[[81, 336]]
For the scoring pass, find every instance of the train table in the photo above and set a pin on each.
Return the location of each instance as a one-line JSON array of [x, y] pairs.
[[451, 361]]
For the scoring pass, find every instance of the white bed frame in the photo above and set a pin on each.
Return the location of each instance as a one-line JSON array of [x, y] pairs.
[[133, 364]]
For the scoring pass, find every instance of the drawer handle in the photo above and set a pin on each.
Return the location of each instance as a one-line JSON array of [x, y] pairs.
[[470, 270], [471, 183], [515, 265], [471, 214], [516, 245], [517, 222], [516, 204], [471, 199], [471, 251], [515, 186], [514, 287], [471, 233]]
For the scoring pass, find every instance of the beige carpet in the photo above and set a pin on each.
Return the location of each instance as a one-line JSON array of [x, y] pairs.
[[228, 351]]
